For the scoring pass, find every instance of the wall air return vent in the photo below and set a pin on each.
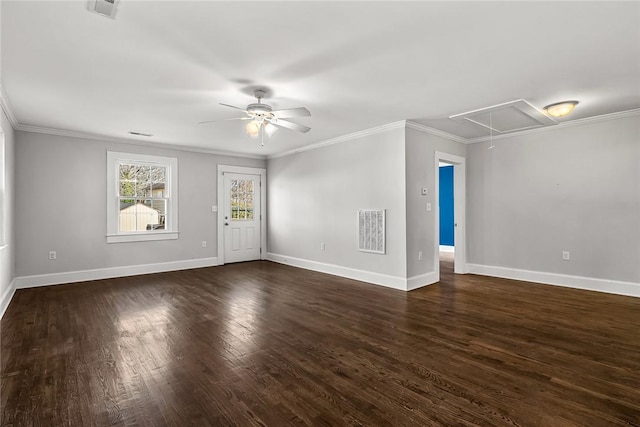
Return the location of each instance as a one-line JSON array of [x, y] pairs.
[[371, 230], [508, 117], [103, 7]]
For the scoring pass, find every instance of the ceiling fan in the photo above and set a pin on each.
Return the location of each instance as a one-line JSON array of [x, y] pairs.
[[264, 119]]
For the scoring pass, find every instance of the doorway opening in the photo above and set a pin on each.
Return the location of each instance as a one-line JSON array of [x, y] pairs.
[[446, 205], [450, 241], [241, 209]]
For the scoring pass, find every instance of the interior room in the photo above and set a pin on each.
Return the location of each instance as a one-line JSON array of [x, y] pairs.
[[319, 213]]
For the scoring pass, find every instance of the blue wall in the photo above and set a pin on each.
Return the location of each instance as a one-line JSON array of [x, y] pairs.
[[446, 205]]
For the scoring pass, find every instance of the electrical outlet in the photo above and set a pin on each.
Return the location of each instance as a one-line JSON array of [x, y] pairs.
[[425, 191], [214, 209], [204, 243], [566, 256], [53, 255], [420, 255], [322, 247]]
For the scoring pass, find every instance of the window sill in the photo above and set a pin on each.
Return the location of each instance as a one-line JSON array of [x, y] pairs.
[[142, 237]]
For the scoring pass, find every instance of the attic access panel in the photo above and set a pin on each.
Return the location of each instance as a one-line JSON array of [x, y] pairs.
[[508, 117]]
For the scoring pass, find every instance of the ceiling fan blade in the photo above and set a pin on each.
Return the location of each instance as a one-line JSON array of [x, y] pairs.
[[292, 112], [222, 120], [233, 106], [290, 125]]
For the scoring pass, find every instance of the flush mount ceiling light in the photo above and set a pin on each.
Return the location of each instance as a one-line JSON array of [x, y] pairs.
[[560, 109]]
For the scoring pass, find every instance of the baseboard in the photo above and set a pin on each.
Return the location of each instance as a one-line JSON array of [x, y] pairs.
[[421, 280], [337, 270], [577, 282], [7, 297], [108, 273]]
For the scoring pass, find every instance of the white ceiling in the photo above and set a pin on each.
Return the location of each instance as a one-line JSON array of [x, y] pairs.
[[162, 66]]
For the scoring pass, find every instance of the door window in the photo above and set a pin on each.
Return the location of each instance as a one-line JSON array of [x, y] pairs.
[[242, 192]]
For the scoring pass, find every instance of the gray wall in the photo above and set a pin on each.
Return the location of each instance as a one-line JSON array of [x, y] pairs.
[[60, 195], [7, 255], [575, 188], [421, 149], [313, 197]]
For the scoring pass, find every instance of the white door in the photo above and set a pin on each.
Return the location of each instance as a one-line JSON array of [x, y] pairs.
[[241, 217]]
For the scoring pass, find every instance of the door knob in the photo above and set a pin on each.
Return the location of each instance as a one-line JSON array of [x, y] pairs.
[[226, 223]]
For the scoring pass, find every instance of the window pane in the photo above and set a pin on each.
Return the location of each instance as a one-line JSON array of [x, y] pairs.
[[143, 174], [127, 216], [160, 206], [143, 189], [128, 172], [158, 174], [127, 188], [157, 190], [141, 215], [242, 199]]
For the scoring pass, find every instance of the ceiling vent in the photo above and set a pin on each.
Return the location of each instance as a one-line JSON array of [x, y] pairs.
[[104, 7], [508, 117]]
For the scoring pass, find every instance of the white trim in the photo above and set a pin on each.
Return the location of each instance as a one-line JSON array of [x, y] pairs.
[[142, 236], [447, 248], [577, 282], [119, 140], [342, 138], [460, 197], [561, 125], [2, 247], [114, 160], [6, 107], [262, 172], [338, 270], [431, 131], [422, 280], [7, 297], [111, 272]]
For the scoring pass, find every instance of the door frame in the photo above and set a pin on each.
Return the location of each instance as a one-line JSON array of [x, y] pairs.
[[222, 169], [459, 212]]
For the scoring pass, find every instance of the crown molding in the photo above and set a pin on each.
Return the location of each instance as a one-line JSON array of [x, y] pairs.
[[431, 131], [153, 144], [568, 124], [6, 107], [342, 138]]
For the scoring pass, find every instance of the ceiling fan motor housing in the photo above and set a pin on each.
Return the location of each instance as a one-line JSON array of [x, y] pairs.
[[260, 111]]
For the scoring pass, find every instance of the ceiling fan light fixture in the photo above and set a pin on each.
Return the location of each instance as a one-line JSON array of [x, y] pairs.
[[270, 129], [560, 109], [253, 129], [261, 118]]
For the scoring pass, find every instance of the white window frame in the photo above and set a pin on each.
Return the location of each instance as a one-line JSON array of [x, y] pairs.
[[4, 212], [114, 160]]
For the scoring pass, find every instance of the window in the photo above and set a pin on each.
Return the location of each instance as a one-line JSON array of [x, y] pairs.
[[3, 195], [241, 200], [142, 196]]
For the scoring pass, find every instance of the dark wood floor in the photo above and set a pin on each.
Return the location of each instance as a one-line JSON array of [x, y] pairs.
[[265, 344]]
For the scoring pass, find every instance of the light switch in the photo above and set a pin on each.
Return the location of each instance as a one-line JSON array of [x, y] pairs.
[[214, 209], [428, 207]]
